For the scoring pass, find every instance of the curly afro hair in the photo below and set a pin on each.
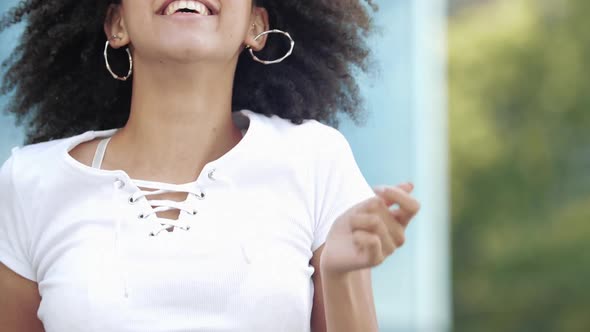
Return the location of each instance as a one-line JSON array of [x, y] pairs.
[[61, 87]]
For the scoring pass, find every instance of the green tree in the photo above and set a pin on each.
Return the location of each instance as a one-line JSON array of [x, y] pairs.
[[520, 140]]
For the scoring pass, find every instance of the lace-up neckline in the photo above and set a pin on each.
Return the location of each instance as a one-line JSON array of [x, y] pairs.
[[161, 205], [147, 189], [142, 191]]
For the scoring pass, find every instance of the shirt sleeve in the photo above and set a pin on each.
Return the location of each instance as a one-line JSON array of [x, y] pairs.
[[13, 228], [339, 184]]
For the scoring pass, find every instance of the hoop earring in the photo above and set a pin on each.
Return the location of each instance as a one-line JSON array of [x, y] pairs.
[[106, 59], [273, 61]]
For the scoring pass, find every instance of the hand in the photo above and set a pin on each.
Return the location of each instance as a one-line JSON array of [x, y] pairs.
[[369, 232]]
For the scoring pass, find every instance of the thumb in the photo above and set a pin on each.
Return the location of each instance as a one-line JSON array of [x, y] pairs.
[[393, 195], [407, 187]]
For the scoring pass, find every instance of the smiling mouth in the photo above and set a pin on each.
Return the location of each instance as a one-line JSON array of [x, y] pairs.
[[187, 7]]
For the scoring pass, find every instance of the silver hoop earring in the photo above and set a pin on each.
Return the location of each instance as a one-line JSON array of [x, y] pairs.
[[106, 59], [273, 61]]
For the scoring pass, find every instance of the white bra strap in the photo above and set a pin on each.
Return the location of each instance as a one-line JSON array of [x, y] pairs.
[[102, 147], [100, 151]]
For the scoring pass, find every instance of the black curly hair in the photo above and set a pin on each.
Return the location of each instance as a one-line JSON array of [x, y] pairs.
[[61, 87]]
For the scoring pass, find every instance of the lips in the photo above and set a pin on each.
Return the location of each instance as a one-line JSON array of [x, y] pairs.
[[212, 5]]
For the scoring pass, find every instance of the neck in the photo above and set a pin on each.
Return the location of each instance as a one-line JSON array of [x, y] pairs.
[[180, 119]]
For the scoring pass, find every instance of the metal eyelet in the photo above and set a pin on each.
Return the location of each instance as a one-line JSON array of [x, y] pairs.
[[194, 213], [120, 184], [211, 175], [141, 216], [201, 196], [131, 200]]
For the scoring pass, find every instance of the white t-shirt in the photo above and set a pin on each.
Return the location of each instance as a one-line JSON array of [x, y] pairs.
[[243, 265]]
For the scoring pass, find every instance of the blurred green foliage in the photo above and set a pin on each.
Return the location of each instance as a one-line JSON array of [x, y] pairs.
[[520, 136]]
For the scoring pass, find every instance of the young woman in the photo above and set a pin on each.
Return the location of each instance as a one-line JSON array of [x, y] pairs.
[[181, 173]]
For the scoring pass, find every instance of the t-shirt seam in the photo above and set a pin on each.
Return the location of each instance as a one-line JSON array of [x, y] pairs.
[[19, 204], [311, 182], [328, 162]]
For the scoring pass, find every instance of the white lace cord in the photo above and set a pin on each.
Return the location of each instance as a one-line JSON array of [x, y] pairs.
[[165, 205], [118, 256], [161, 205]]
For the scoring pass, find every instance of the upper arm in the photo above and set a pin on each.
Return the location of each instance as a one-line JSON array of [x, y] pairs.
[[318, 316], [339, 185], [19, 294], [362, 285], [19, 303]]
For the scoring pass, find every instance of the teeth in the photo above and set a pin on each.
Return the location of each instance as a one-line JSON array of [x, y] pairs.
[[175, 6]]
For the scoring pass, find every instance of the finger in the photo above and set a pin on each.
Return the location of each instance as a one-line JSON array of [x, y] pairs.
[[373, 204], [376, 206], [396, 231], [365, 222], [369, 246], [407, 187], [384, 226], [395, 195], [403, 217]]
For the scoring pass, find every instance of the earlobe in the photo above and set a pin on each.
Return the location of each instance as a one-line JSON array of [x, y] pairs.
[[114, 27], [255, 39], [270, 62]]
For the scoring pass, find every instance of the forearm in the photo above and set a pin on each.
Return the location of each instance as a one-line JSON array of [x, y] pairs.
[[348, 308]]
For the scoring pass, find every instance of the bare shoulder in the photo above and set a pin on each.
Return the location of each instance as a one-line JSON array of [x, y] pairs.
[[84, 152], [19, 302]]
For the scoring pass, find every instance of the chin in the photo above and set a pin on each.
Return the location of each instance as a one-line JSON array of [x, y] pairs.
[[190, 52]]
